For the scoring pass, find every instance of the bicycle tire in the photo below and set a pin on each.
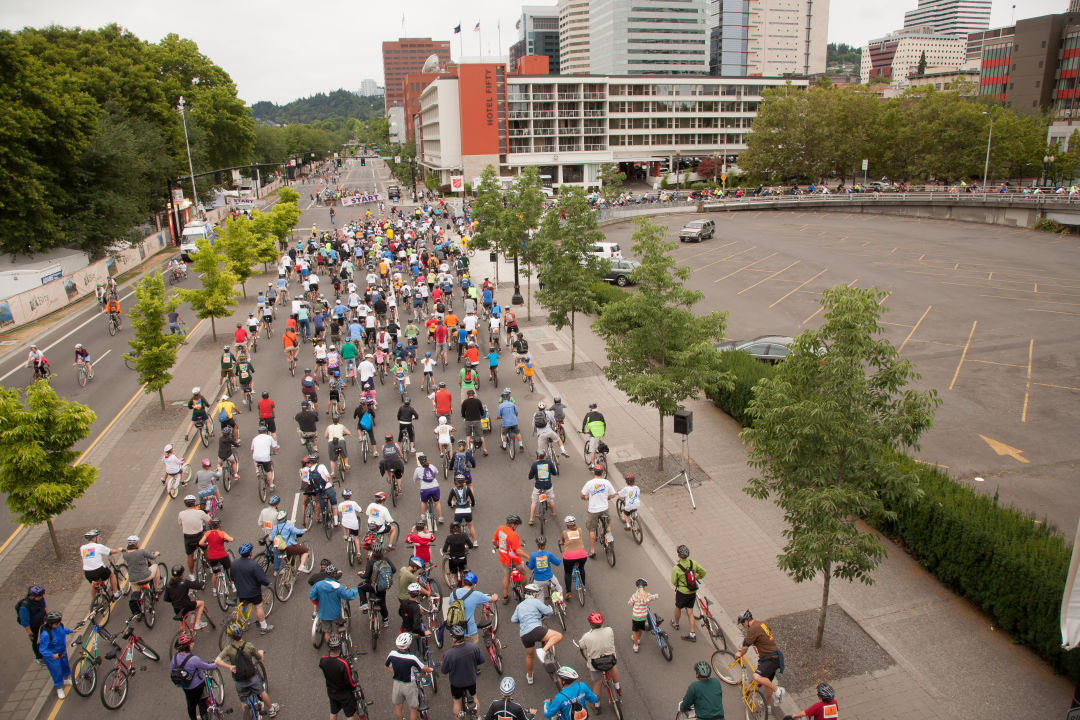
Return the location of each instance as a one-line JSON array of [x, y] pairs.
[[541, 516], [665, 647], [114, 688], [309, 512], [511, 448], [83, 377], [123, 583], [616, 702], [365, 449], [227, 473], [637, 532], [495, 655], [373, 626], [204, 436], [561, 431], [756, 704], [147, 651], [284, 583], [149, 609], [580, 592], [172, 486], [221, 584], [609, 552], [350, 551], [328, 524], [217, 688], [721, 662], [84, 676], [264, 489], [715, 634], [560, 613], [316, 633], [113, 329], [393, 492], [186, 473], [223, 639], [102, 609]]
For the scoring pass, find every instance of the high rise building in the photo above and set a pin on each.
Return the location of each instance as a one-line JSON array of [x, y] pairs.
[[648, 37], [369, 87], [950, 17], [767, 37], [573, 37], [404, 56], [898, 54], [538, 34]]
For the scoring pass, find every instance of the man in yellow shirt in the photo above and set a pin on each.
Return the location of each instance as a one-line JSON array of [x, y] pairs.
[[230, 411]]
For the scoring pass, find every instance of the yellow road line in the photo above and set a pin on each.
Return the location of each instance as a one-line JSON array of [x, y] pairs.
[[1050, 302], [744, 267], [798, 288], [901, 348], [769, 277], [10, 538], [1027, 387], [963, 355], [56, 708], [1000, 364]]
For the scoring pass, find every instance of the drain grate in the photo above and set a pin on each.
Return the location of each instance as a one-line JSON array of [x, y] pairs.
[[550, 347]]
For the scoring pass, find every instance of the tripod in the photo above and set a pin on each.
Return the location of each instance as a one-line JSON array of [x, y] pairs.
[[683, 476]]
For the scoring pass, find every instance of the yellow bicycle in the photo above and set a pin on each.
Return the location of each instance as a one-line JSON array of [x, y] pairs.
[[739, 671]]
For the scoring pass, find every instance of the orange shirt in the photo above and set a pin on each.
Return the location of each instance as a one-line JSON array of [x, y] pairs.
[[289, 339], [473, 354], [451, 320], [508, 544]]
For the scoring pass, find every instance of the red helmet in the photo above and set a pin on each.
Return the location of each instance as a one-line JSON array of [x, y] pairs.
[[184, 640], [380, 497], [596, 618]]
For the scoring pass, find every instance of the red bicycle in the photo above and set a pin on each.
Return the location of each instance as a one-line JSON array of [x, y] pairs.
[[114, 688]]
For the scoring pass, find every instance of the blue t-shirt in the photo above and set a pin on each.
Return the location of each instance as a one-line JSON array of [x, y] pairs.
[[529, 615], [508, 414], [493, 359], [471, 602], [403, 665], [486, 299], [462, 335], [540, 563]]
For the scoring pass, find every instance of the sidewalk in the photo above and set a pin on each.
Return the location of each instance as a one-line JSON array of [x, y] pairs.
[[949, 660]]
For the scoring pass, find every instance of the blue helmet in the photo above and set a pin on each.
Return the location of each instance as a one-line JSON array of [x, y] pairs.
[[414, 560], [246, 549], [470, 577], [274, 500]]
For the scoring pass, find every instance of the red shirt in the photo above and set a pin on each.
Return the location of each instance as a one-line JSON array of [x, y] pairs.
[[423, 546], [473, 354], [266, 408], [443, 400], [215, 545], [240, 335], [822, 711], [441, 333], [508, 544]]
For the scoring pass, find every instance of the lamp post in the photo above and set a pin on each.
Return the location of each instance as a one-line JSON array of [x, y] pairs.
[[1048, 160], [989, 139], [187, 144], [678, 166]]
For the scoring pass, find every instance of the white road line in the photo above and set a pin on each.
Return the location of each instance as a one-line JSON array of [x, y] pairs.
[[102, 356], [295, 504]]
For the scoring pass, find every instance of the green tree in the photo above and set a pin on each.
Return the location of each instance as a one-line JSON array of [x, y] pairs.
[[827, 436], [288, 195], [611, 181], [659, 352], [265, 249], [521, 218], [487, 210], [238, 245], [153, 351], [567, 266], [922, 65], [39, 472], [218, 291]]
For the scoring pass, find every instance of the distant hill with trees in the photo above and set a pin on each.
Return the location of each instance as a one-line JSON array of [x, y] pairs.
[[840, 54], [338, 105]]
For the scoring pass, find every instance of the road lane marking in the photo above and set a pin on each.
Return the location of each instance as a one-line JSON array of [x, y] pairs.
[[799, 287], [1002, 449], [769, 277], [727, 257], [963, 355], [116, 417], [1027, 386], [1057, 387], [916, 327], [744, 267], [10, 538], [295, 504]]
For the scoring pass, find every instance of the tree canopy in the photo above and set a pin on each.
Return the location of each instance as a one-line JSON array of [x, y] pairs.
[[339, 105]]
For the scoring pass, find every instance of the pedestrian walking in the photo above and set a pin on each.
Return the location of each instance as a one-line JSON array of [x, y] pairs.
[[31, 615], [685, 576]]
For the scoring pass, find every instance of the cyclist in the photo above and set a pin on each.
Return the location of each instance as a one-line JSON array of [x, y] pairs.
[[507, 708], [378, 513], [824, 709], [705, 696], [769, 657], [238, 658], [322, 480], [327, 595], [472, 411], [572, 543], [142, 570], [216, 555], [335, 435], [428, 366], [441, 335], [253, 328], [631, 497], [291, 535], [291, 342], [639, 610], [544, 429], [520, 344], [178, 594], [93, 555], [508, 419], [460, 664], [227, 362], [174, 464], [685, 576], [402, 666], [598, 648], [200, 411], [558, 410], [441, 401], [375, 579], [471, 599], [193, 521], [594, 426], [245, 373], [263, 447], [392, 464], [82, 358], [508, 544], [206, 483], [444, 432], [226, 415], [541, 473], [511, 327], [571, 691], [469, 380], [540, 562], [240, 337], [350, 512], [195, 686], [307, 422], [405, 416], [427, 476], [226, 454], [365, 422], [598, 491], [266, 408], [412, 615], [268, 315], [529, 616], [113, 309], [341, 686], [309, 388]]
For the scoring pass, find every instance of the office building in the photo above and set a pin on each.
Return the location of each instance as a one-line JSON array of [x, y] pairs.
[[404, 56], [648, 37], [957, 18], [573, 37], [569, 126], [1033, 65], [897, 55], [538, 34], [369, 87], [767, 37]]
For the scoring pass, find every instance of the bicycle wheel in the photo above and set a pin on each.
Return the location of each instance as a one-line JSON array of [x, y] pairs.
[[264, 488], [82, 377], [316, 633], [756, 704], [637, 532], [102, 609], [217, 687], [221, 584], [561, 431], [341, 468], [283, 585], [724, 665], [309, 512], [227, 474], [204, 435], [328, 525], [541, 516], [365, 449], [393, 490], [602, 462], [84, 676], [114, 689], [173, 486], [609, 552], [560, 613], [616, 701], [123, 584], [185, 473], [147, 651], [495, 654], [113, 329], [579, 590], [373, 626], [665, 646], [511, 448], [350, 551], [585, 450], [715, 635], [450, 578]]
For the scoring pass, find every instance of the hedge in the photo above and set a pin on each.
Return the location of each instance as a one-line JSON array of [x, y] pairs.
[[997, 557], [605, 292]]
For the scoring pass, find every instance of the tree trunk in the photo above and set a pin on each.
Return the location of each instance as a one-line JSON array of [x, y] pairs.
[[824, 604], [660, 462], [213, 328], [573, 343], [528, 292], [243, 287], [161, 397], [55, 542]]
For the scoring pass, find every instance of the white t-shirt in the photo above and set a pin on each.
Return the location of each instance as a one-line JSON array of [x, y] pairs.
[[261, 445], [445, 432], [325, 473], [470, 323], [494, 324], [379, 514], [631, 497], [267, 519], [367, 369], [173, 465], [428, 477], [597, 491], [320, 352], [93, 556], [350, 511], [429, 365], [335, 432]]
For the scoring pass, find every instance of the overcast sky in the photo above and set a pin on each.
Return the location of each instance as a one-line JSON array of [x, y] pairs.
[[279, 51]]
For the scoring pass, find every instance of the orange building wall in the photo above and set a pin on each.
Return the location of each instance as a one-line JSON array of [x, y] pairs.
[[479, 99], [532, 65]]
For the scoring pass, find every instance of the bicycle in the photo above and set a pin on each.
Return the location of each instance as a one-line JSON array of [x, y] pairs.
[[601, 452], [636, 530], [543, 510], [374, 620], [493, 374], [148, 596], [187, 625], [431, 514], [84, 669], [130, 359], [242, 614], [83, 374], [605, 538], [326, 514], [362, 702], [558, 605], [285, 581], [174, 481], [260, 482], [114, 324], [422, 706], [343, 625], [577, 585], [552, 456], [248, 393], [365, 446], [427, 657], [453, 579], [614, 695], [101, 593], [508, 444], [215, 696], [209, 502], [250, 700], [222, 586], [487, 626], [660, 635], [703, 614], [743, 676], [517, 583], [114, 686], [205, 428], [339, 462]]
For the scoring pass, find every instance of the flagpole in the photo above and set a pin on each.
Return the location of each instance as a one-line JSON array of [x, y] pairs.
[[498, 30], [480, 42]]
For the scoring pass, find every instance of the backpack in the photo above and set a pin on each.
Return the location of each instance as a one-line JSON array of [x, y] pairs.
[[455, 612], [245, 669], [540, 420], [308, 381], [468, 375], [461, 497], [19, 605], [180, 675], [384, 575], [691, 578], [222, 416], [279, 542]]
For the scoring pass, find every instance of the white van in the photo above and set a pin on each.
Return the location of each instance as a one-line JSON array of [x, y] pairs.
[[193, 232], [606, 250]]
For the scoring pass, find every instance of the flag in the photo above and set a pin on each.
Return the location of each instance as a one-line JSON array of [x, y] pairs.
[[457, 29], [477, 28]]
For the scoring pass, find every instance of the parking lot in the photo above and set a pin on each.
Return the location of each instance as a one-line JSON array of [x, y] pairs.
[[990, 315]]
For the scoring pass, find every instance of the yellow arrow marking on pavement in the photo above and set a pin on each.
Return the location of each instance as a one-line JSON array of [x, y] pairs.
[[1002, 449]]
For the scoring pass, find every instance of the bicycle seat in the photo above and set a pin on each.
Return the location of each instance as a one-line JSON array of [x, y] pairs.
[[111, 655], [179, 616], [483, 623]]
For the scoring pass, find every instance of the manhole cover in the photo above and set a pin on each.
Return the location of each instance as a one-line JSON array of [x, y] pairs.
[[549, 346]]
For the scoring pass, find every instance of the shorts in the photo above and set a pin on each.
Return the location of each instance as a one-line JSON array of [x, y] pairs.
[[440, 347], [101, 573], [510, 430], [253, 601], [327, 626], [191, 543], [462, 518], [294, 550], [641, 625], [405, 693], [534, 636], [396, 468], [550, 492], [459, 692], [473, 429], [593, 521], [267, 466], [228, 422], [252, 686], [353, 532], [224, 562], [331, 497], [406, 431], [345, 704], [768, 665], [430, 493], [685, 601], [269, 423]]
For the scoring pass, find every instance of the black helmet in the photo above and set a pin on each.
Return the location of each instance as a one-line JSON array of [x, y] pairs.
[[457, 632], [177, 570], [266, 393], [541, 541], [53, 617], [702, 669], [513, 519], [641, 582], [825, 691], [683, 552], [334, 643], [744, 617]]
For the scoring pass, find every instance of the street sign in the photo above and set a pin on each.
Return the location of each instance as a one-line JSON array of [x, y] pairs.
[[397, 159], [177, 195], [865, 163], [457, 183], [723, 179]]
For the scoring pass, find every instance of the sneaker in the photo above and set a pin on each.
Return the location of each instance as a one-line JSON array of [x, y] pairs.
[[213, 592], [116, 595], [67, 680], [598, 709], [627, 526], [529, 679], [503, 446], [264, 630], [39, 661], [60, 693], [637, 647], [565, 454], [521, 446], [442, 520], [691, 637], [780, 693], [273, 711], [674, 625], [541, 655], [386, 623], [201, 625], [531, 522]]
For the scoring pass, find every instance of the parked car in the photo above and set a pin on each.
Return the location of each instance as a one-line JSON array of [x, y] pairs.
[[393, 192], [697, 230], [619, 270], [606, 250], [767, 348]]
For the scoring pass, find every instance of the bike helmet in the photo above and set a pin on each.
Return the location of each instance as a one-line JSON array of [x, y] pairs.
[[641, 582], [168, 448], [541, 541], [570, 520], [442, 383], [427, 354], [262, 428], [417, 562], [281, 515], [532, 589], [389, 437], [226, 430], [405, 400], [184, 640], [307, 371], [825, 692], [133, 540], [506, 391], [215, 523], [36, 590], [234, 631], [566, 673], [556, 399], [196, 390], [457, 632], [513, 519], [683, 552], [91, 534], [404, 640], [414, 589], [541, 407], [470, 577], [177, 570], [744, 617], [238, 325], [206, 461], [334, 643], [274, 500], [702, 669], [265, 394], [346, 493], [331, 570], [52, 617], [190, 500], [245, 549], [507, 686], [380, 497], [227, 348], [313, 457], [596, 618], [78, 346]]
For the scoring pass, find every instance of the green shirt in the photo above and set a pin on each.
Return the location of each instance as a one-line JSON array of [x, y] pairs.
[[706, 697], [467, 384], [348, 351], [411, 331], [678, 575]]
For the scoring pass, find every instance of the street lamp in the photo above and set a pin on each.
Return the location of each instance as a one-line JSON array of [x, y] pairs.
[[191, 168], [1048, 160], [989, 139], [678, 166]]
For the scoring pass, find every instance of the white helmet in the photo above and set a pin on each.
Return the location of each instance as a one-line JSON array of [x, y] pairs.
[[196, 390], [404, 640]]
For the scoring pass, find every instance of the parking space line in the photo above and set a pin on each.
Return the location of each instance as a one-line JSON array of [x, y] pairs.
[[818, 311], [797, 288], [1027, 386], [744, 267], [999, 364], [736, 254], [1051, 302], [707, 252], [769, 277], [963, 355], [882, 300], [1057, 387], [1056, 312], [916, 327]]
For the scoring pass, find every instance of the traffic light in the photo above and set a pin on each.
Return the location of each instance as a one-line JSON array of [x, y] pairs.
[[363, 161], [339, 162]]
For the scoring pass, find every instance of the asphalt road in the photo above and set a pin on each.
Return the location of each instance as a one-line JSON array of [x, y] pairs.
[[651, 685], [988, 315]]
